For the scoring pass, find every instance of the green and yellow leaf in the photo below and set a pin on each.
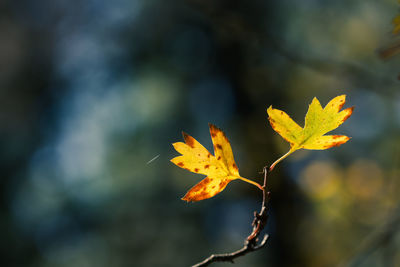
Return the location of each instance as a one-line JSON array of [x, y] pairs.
[[220, 168], [318, 122]]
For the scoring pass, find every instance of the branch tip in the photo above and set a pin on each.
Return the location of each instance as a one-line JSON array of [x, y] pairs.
[[252, 242]]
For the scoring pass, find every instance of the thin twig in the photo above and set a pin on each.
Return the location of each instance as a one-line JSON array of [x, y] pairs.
[[251, 243]]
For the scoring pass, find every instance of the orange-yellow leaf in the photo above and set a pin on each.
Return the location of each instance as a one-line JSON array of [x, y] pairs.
[[396, 23], [220, 168], [318, 122], [393, 48]]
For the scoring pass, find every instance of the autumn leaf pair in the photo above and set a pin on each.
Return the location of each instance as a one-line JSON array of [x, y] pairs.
[[221, 168]]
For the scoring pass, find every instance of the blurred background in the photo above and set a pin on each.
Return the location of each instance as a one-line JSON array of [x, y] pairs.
[[92, 91]]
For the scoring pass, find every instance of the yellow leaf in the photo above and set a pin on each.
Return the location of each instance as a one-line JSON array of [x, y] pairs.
[[394, 48], [220, 169], [318, 122], [396, 23]]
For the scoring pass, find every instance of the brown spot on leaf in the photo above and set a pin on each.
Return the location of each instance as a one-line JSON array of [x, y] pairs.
[[188, 139], [205, 181], [196, 196], [341, 104], [219, 158], [223, 135], [202, 184], [206, 166], [201, 196], [209, 155], [223, 183], [213, 186], [198, 192], [349, 111], [180, 164], [213, 130], [334, 144], [196, 170], [217, 146], [273, 125], [338, 143], [234, 166]]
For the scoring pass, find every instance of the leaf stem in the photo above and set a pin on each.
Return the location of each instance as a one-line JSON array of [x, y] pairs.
[[281, 158], [252, 182]]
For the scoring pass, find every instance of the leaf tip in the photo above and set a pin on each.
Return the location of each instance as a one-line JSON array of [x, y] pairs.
[[342, 139], [176, 144], [185, 198], [214, 128], [315, 101], [188, 139], [185, 135], [349, 112], [214, 131], [191, 196], [269, 109]]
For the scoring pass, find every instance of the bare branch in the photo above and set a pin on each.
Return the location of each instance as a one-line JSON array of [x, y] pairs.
[[251, 243]]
